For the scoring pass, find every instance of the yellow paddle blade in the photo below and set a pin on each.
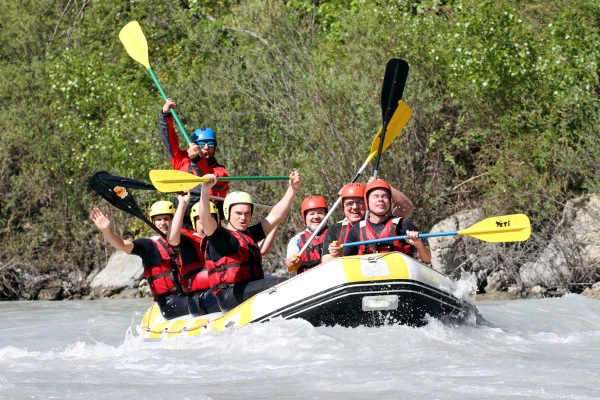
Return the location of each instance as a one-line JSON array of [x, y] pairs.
[[134, 41], [401, 116], [171, 181], [505, 228]]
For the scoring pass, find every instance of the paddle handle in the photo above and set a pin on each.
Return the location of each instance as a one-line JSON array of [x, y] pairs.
[[253, 178], [173, 112]]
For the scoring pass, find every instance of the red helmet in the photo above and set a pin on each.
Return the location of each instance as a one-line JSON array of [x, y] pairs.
[[312, 202], [353, 190], [377, 184]]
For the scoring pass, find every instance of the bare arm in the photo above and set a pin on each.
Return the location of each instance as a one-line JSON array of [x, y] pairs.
[[208, 222], [292, 261], [401, 205], [281, 209], [267, 244], [103, 223], [422, 250], [174, 234]]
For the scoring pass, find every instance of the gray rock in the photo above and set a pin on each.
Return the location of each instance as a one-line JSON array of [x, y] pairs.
[[573, 253], [50, 292], [447, 255], [122, 271]]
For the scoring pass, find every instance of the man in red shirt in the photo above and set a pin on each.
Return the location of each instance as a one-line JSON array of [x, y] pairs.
[[199, 159]]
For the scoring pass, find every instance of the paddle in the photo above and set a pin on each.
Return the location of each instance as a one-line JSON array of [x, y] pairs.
[[129, 183], [125, 182], [170, 181], [396, 72], [505, 228], [401, 116], [119, 197], [135, 44]]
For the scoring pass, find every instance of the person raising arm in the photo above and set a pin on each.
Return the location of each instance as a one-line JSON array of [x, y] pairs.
[[236, 272]]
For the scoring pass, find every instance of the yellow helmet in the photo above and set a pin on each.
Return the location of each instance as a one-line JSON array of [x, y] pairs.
[[162, 207], [195, 212], [234, 198]]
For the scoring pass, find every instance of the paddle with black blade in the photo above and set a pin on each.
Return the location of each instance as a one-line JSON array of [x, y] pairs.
[[504, 228], [129, 183], [118, 196], [396, 72], [401, 116], [135, 44]]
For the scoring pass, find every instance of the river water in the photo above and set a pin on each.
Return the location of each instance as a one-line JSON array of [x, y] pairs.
[[544, 349]]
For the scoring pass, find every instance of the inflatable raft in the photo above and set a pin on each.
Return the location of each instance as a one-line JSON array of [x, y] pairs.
[[370, 290]]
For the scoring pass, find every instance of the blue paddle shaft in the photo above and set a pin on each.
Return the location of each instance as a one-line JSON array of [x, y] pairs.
[[404, 237]]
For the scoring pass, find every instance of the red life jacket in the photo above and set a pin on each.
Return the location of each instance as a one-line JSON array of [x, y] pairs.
[[311, 257], [243, 266], [160, 277], [388, 230], [193, 275], [344, 230]]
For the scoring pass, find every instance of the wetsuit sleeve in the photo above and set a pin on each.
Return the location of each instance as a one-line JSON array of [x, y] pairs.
[[179, 158], [333, 233], [353, 236], [188, 248], [257, 232], [147, 251]]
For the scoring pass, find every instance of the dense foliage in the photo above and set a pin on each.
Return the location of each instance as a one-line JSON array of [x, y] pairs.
[[504, 97]]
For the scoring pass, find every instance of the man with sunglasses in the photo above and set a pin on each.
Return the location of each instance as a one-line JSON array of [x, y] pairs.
[[198, 159], [354, 208]]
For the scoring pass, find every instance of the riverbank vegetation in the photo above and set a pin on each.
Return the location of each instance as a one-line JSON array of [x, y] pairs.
[[504, 96]]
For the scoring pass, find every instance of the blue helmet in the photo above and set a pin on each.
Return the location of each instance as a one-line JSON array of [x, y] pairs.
[[204, 134]]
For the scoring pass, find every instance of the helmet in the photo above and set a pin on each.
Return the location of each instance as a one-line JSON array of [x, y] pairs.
[[353, 190], [204, 134], [234, 198], [162, 207], [376, 184], [312, 202], [195, 212]]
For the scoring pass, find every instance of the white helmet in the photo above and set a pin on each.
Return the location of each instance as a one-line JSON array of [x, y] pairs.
[[234, 198]]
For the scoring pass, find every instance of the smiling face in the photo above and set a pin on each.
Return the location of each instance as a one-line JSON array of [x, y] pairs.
[[162, 222], [313, 217], [379, 201], [240, 216], [354, 209]]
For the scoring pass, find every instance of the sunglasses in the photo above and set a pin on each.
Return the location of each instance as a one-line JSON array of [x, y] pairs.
[[210, 143], [352, 203]]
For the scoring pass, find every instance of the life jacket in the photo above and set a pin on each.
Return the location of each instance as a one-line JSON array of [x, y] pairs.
[[193, 274], [311, 257], [161, 277], [243, 266], [388, 230], [204, 167], [344, 230]]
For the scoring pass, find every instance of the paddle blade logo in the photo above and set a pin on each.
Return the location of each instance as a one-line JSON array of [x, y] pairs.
[[120, 191], [500, 224]]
